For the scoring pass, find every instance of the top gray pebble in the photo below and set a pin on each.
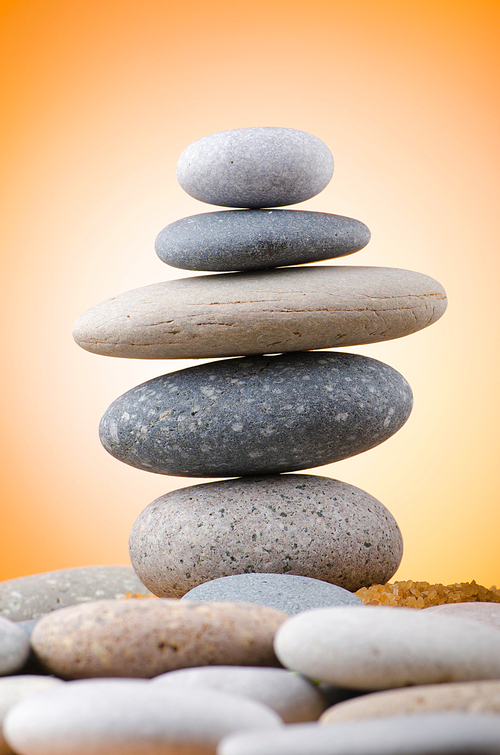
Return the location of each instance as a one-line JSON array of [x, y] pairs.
[[255, 167]]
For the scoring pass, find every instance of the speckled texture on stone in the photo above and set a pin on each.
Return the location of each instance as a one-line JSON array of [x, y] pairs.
[[254, 239], [484, 613], [255, 167], [292, 696], [257, 415], [130, 717], [14, 647], [289, 593], [380, 647], [144, 638], [33, 596], [300, 524], [264, 312], [468, 697], [430, 734], [15, 688]]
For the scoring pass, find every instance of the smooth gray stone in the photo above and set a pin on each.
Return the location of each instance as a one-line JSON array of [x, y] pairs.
[[292, 696], [129, 716], [14, 647], [265, 312], [257, 415], [15, 688], [254, 239], [255, 167], [297, 524], [33, 596], [290, 593], [430, 734]]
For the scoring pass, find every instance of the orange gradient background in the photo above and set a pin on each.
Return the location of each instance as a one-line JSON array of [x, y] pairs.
[[100, 98]]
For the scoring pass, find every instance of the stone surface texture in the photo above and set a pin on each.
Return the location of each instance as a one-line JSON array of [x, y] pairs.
[[16, 688], [430, 734], [144, 638], [129, 717], [255, 239], [292, 696], [379, 648], [468, 697], [264, 312], [257, 415], [33, 596], [255, 167], [14, 647], [484, 613], [306, 525], [290, 593]]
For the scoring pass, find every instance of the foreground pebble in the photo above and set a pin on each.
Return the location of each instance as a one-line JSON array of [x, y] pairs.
[[144, 638], [14, 647], [378, 648], [15, 688], [129, 717], [431, 734], [303, 525], [293, 697]]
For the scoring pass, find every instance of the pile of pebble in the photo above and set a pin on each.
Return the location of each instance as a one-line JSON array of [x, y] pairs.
[[257, 644]]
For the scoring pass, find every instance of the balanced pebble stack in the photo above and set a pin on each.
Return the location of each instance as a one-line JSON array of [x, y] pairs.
[[284, 405]]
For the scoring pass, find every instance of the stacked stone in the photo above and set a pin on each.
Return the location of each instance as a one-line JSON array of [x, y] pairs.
[[282, 405]]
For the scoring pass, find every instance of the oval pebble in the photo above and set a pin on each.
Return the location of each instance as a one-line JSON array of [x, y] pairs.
[[14, 647], [484, 613], [380, 647], [301, 524], [15, 688], [130, 717], [292, 696], [264, 312], [469, 697], [258, 415], [255, 167], [430, 734], [290, 593], [144, 638], [255, 239]]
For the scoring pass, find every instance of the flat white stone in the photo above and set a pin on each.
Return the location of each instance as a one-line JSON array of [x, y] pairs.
[[15, 688]]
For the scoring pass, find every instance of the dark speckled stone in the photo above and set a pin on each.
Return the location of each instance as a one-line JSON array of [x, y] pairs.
[[254, 239], [257, 415]]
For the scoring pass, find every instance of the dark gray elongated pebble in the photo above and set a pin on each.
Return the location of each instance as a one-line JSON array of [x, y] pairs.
[[297, 524], [33, 596], [425, 734], [265, 312], [257, 415], [290, 593], [129, 717], [255, 167], [14, 647], [254, 239]]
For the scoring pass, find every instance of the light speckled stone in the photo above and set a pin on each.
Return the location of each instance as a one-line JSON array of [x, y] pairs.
[[380, 647], [129, 717], [255, 167], [33, 596], [289, 593], [302, 524], [14, 647], [16, 688], [254, 239], [431, 734], [469, 697], [484, 613], [144, 638], [258, 415], [292, 696], [264, 312]]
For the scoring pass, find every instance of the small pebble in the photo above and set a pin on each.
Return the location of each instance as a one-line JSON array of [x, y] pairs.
[[15, 688], [484, 613], [14, 647]]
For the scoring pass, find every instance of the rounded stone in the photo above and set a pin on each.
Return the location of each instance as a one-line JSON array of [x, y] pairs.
[[32, 597], [130, 717], [468, 697], [255, 167], [144, 638], [300, 524], [16, 688], [379, 647], [264, 312], [484, 613], [430, 734], [254, 239], [257, 415], [292, 696], [289, 593], [14, 647]]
